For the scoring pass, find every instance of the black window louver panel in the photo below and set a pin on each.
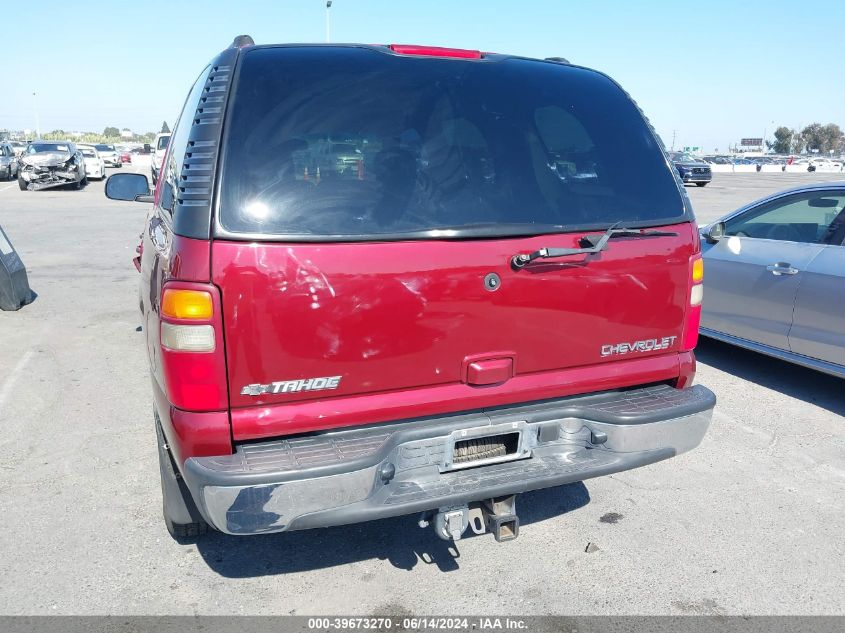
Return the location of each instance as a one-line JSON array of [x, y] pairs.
[[192, 208]]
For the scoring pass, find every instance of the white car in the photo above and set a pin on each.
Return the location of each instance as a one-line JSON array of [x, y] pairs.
[[109, 154], [159, 150], [825, 165], [95, 167], [18, 147]]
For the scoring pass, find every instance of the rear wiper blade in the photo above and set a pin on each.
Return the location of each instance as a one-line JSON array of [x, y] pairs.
[[589, 244]]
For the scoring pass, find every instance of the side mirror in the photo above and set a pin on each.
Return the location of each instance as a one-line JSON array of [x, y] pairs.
[[133, 187], [715, 232]]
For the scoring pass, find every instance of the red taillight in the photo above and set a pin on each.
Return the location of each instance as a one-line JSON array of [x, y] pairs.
[[695, 294], [434, 51], [191, 347]]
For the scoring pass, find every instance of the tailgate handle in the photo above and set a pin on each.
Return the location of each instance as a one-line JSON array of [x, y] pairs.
[[489, 371]]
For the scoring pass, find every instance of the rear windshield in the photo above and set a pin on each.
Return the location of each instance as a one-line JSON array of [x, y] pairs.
[[680, 157], [351, 143], [34, 148]]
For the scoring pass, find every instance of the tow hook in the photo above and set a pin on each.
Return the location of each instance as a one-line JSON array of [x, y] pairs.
[[497, 516]]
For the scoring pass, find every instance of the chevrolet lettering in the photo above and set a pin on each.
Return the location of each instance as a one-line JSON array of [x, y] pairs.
[[647, 345]]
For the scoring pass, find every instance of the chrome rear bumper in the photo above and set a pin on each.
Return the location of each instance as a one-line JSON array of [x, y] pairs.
[[375, 472]]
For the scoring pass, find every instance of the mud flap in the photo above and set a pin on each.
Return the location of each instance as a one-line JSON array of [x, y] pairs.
[[14, 285]]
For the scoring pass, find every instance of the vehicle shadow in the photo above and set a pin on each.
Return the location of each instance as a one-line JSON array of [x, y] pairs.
[[399, 541], [813, 387]]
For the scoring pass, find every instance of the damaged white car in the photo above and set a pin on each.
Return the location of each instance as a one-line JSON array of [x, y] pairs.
[[47, 164], [95, 166]]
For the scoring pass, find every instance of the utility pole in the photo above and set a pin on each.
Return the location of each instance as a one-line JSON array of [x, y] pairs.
[[328, 21], [673, 140], [37, 120]]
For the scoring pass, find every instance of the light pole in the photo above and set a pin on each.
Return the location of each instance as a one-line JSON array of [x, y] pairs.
[[328, 21], [37, 120]]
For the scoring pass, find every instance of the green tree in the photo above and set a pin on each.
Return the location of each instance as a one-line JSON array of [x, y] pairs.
[[111, 132], [832, 138], [797, 143], [165, 129], [783, 141], [813, 136]]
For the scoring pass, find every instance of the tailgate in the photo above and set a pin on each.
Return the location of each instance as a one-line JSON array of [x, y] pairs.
[[307, 321]]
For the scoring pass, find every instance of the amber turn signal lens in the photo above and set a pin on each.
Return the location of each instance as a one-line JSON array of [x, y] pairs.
[[186, 304], [697, 270]]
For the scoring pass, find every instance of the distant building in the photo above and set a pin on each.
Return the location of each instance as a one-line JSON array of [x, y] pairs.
[[124, 133]]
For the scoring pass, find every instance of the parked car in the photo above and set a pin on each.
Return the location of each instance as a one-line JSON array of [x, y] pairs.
[[691, 169], [488, 303], [826, 165], [18, 146], [8, 161], [47, 164], [125, 157], [717, 160], [109, 154], [775, 272], [160, 150], [95, 167]]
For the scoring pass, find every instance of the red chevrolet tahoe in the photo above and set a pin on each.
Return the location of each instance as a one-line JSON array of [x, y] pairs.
[[381, 280]]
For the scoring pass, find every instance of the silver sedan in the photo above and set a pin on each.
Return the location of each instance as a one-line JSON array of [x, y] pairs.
[[774, 277]]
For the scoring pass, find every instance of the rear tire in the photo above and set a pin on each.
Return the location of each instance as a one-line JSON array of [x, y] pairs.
[[701, 184], [181, 516]]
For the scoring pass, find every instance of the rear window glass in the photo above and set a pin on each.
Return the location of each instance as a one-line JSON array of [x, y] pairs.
[[162, 142], [34, 148], [351, 143]]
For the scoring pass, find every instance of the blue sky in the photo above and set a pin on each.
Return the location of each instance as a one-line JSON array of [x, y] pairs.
[[711, 71]]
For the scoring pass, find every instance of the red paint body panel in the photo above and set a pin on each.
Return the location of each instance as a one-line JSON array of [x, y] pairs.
[[258, 422], [396, 320], [191, 434], [191, 260], [687, 375], [201, 434]]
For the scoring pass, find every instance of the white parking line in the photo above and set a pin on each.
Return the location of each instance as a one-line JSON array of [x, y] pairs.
[[6, 389], [6, 187]]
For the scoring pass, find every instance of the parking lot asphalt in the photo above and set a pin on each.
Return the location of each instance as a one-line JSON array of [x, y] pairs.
[[750, 522]]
